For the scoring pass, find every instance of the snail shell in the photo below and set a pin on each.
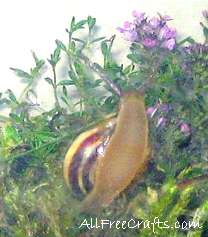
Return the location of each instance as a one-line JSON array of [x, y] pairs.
[[82, 157], [125, 142]]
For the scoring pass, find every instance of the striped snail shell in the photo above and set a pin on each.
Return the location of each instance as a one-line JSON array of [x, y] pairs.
[[82, 157]]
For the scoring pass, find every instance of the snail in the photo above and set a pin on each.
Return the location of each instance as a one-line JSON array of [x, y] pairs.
[[118, 152]]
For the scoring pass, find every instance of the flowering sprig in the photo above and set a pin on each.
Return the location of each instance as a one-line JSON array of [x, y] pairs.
[[149, 32], [164, 109]]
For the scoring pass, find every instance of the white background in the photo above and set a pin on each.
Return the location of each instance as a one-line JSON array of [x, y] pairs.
[[35, 24]]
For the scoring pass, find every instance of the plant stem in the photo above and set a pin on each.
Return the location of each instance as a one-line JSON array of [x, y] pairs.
[[102, 74], [195, 180], [55, 88]]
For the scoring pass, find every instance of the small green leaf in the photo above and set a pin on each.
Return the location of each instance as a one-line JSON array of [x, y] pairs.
[[91, 22], [65, 91], [77, 26], [97, 39], [205, 31], [15, 117], [35, 57], [80, 24], [72, 76], [21, 73], [12, 97], [56, 55], [72, 46], [11, 134], [79, 40], [61, 45], [104, 48], [65, 83], [189, 40], [127, 70], [49, 80], [38, 62], [135, 58], [97, 82], [64, 100], [72, 23], [51, 61]]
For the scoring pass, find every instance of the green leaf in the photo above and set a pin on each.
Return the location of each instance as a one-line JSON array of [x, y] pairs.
[[104, 49], [72, 46], [135, 58], [61, 45], [51, 61], [72, 23], [49, 80], [72, 76], [21, 73], [35, 57], [77, 26], [189, 40], [65, 83], [79, 40], [64, 100], [38, 62], [97, 82], [65, 91], [91, 22], [12, 97], [205, 31], [97, 39], [56, 55], [10, 133], [128, 69], [15, 117]]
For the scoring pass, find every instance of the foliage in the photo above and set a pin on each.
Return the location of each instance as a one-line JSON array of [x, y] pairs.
[[34, 200]]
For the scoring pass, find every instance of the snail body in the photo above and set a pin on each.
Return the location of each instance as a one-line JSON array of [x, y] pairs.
[[125, 155]]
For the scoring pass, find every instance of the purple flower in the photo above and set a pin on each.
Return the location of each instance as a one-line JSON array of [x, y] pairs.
[[161, 122], [148, 29], [140, 16], [205, 13], [126, 27], [149, 43], [149, 33], [130, 35], [164, 107], [169, 44], [185, 128], [151, 111], [167, 33], [154, 22], [120, 29]]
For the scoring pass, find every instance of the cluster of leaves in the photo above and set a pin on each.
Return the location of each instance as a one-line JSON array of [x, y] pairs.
[[33, 198]]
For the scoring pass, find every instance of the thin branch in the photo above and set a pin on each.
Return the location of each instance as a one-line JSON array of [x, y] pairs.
[[96, 68], [55, 88], [195, 180]]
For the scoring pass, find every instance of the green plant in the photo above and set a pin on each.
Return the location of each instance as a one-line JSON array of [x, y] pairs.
[[34, 200]]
